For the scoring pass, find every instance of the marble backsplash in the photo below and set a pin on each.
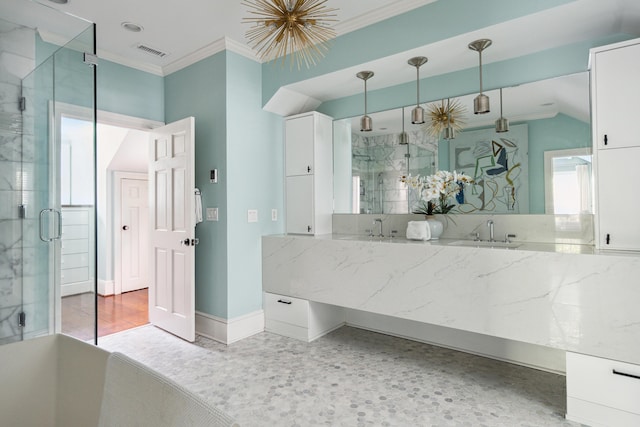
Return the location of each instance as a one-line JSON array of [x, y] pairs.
[[574, 229]]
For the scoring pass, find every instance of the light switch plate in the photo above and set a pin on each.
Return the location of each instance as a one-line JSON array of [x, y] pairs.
[[274, 214], [212, 214], [252, 215]]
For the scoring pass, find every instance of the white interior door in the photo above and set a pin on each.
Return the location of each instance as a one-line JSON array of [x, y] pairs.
[[134, 231], [172, 228]]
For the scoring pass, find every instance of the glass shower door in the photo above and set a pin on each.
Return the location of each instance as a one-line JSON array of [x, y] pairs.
[[52, 253]]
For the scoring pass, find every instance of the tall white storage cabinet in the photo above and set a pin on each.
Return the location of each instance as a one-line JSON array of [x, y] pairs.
[[615, 91], [309, 173]]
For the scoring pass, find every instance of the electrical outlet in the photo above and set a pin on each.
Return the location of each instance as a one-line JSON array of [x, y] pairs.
[[274, 214], [252, 215], [212, 214]]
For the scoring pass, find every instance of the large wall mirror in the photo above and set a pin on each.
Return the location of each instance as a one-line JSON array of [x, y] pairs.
[[541, 165]]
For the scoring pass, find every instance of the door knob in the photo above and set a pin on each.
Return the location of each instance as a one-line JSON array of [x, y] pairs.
[[185, 242], [125, 227]]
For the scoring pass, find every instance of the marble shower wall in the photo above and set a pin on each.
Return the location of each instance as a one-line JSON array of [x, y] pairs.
[[17, 59], [380, 161]]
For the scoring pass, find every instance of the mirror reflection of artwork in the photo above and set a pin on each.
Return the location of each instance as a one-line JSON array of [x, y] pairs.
[[499, 165]]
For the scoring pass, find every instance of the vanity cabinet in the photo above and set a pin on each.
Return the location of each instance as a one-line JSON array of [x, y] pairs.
[[615, 90], [298, 318], [309, 173], [602, 391], [615, 93]]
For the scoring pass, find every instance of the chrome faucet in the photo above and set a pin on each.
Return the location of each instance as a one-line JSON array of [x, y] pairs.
[[490, 225], [379, 221]]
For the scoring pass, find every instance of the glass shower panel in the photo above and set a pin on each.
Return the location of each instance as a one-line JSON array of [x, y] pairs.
[[36, 79], [40, 226], [74, 137]]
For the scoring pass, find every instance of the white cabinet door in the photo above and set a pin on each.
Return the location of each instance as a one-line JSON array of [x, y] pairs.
[[300, 204], [618, 204], [299, 143], [617, 91]]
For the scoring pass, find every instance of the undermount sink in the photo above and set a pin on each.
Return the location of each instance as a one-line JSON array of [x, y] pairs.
[[484, 244]]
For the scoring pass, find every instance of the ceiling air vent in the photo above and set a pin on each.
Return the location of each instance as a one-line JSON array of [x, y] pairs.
[[151, 51]]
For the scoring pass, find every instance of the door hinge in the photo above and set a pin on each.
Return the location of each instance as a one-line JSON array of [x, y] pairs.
[[22, 319], [309, 228], [22, 103], [22, 211], [90, 59], [608, 238]]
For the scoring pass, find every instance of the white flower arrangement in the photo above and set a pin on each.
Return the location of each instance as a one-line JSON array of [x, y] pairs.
[[436, 190]]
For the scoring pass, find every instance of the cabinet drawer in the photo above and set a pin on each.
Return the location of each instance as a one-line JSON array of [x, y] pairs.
[[74, 261], [74, 275], [293, 311], [603, 381], [76, 246]]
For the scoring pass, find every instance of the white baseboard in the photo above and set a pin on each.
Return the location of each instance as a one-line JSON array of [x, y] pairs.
[[519, 353], [76, 288], [228, 331], [106, 287]]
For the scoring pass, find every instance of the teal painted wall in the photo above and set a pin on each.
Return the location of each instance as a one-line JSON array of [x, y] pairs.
[[128, 91], [200, 91], [235, 136], [255, 171], [557, 133], [428, 24]]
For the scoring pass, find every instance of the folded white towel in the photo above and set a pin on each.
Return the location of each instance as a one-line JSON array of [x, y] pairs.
[[198, 205], [418, 230]]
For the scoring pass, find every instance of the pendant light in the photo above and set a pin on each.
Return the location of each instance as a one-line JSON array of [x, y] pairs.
[[449, 131], [404, 137], [481, 102], [417, 114], [502, 124], [366, 124]]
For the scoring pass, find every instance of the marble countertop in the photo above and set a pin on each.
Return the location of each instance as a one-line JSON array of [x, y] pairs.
[[559, 247], [557, 295]]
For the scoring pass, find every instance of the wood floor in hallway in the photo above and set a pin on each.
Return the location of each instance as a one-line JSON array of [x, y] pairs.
[[115, 313]]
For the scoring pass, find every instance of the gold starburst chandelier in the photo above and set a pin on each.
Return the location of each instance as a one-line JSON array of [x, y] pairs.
[[449, 114], [299, 28]]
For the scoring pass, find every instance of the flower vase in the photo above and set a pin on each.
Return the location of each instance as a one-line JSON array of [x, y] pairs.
[[435, 226]]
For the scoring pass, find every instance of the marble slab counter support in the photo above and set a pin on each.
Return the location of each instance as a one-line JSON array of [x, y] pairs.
[[578, 302]]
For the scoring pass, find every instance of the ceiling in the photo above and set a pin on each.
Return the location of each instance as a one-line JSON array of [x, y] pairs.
[[181, 28], [182, 32]]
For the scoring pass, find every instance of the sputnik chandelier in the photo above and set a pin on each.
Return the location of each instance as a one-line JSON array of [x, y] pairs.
[[443, 116], [298, 28]]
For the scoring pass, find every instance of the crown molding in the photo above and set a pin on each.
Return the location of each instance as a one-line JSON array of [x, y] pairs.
[[127, 62], [224, 43], [380, 14]]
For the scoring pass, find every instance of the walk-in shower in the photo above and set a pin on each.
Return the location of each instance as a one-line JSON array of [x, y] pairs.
[[46, 67]]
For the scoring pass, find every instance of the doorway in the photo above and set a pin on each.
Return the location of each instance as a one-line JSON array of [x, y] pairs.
[[121, 152]]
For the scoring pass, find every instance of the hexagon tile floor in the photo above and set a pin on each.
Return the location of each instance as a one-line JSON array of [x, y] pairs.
[[350, 377]]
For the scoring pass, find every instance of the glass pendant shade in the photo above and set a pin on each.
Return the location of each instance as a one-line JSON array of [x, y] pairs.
[[404, 136], [481, 102], [502, 124], [417, 114], [366, 124], [449, 133]]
